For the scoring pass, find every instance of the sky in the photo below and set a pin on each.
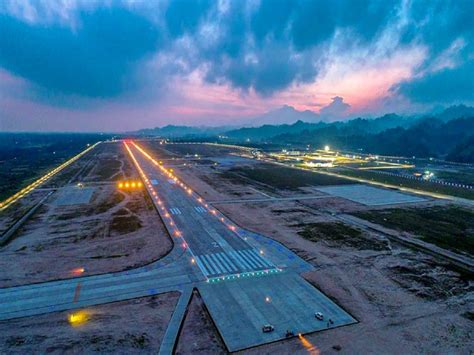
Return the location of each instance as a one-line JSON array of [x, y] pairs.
[[85, 65]]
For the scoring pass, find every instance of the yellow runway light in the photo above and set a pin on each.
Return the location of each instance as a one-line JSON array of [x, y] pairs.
[[78, 318]]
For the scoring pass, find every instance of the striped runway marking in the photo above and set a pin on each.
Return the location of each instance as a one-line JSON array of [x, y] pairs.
[[232, 262], [200, 209], [175, 210]]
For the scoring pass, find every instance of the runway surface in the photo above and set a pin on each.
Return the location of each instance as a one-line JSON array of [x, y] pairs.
[[245, 279]]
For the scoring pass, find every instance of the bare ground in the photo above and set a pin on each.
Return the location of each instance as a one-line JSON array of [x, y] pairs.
[[405, 301], [127, 327], [199, 334], [115, 231]]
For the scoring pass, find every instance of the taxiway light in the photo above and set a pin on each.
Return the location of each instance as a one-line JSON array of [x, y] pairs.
[[261, 252], [193, 261], [267, 299]]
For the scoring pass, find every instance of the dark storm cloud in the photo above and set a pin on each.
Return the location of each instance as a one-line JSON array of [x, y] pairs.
[[439, 24], [266, 45], [284, 37], [183, 16], [93, 60], [444, 86]]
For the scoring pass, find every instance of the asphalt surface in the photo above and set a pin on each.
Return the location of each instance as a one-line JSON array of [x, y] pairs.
[[214, 243]]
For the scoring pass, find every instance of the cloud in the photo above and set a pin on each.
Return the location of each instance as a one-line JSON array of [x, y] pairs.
[[95, 60], [82, 54], [336, 109], [184, 16], [449, 85]]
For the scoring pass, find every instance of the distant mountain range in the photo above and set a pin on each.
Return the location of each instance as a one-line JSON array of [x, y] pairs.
[[449, 133]]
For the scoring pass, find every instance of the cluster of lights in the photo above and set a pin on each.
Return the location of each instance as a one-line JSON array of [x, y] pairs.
[[25, 191], [126, 185], [169, 173], [243, 275], [161, 208]]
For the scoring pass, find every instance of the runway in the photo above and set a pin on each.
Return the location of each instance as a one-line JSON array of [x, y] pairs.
[[245, 279]]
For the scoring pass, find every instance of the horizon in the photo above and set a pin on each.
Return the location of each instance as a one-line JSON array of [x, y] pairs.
[[121, 67]]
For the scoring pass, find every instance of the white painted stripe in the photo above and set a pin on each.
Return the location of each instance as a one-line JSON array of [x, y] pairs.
[[216, 264], [228, 261], [209, 264], [202, 267], [236, 261], [244, 263], [252, 258], [247, 259], [223, 263], [175, 210], [259, 258]]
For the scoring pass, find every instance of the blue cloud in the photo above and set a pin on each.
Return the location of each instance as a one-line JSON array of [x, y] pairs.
[[94, 60], [445, 86], [265, 46], [183, 16]]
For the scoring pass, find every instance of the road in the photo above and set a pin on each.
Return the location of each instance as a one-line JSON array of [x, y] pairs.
[[245, 279], [34, 185]]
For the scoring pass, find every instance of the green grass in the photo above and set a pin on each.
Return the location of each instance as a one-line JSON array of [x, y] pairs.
[[283, 178], [450, 227], [413, 184]]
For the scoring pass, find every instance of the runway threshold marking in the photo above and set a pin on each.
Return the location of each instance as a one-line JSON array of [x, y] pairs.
[[77, 292]]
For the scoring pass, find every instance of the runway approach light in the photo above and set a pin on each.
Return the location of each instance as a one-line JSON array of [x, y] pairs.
[[78, 318], [129, 185]]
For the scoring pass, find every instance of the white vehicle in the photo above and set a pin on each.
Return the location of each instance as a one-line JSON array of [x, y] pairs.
[[267, 328], [319, 316]]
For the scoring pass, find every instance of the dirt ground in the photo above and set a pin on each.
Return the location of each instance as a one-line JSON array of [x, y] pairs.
[[116, 230], [127, 327], [405, 301], [198, 333]]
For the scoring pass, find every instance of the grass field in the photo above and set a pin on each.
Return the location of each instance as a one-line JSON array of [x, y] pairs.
[[284, 178], [447, 227], [413, 184]]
